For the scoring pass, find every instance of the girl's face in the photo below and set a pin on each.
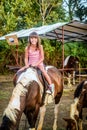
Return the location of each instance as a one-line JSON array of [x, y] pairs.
[[33, 40]]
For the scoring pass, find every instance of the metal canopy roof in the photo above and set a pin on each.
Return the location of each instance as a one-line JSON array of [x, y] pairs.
[[72, 31]]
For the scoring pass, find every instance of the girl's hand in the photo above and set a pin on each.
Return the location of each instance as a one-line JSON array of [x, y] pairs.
[[23, 68], [34, 65], [26, 66]]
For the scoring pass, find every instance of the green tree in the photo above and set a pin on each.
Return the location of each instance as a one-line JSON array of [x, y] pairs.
[[46, 7], [20, 14], [77, 49], [70, 6], [81, 10], [76, 9], [16, 15]]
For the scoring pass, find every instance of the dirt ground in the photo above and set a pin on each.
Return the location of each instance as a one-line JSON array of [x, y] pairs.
[[6, 87]]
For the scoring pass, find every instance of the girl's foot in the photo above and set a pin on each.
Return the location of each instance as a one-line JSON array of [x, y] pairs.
[[50, 89]]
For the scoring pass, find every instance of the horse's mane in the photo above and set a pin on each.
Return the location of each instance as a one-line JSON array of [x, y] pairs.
[[79, 89], [66, 60]]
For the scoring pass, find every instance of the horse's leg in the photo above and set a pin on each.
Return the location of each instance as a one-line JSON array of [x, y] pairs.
[[42, 114], [55, 117], [80, 119], [32, 116], [69, 80], [80, 124], [73, 77], [57, 100], [73, 109]]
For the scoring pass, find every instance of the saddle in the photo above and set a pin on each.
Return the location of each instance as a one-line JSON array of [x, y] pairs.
[[40, 75], [42, 78]]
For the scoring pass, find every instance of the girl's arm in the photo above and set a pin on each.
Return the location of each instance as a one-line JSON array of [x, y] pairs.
[[26, 57], [25, 60]]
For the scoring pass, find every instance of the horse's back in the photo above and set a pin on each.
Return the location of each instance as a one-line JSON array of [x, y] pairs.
[[54, 73], [57, 78]]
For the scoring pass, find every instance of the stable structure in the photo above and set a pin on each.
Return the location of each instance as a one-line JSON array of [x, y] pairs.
[[69, 31], [63, 32]]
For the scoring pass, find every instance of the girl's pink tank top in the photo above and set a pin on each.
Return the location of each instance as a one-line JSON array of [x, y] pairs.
[[34, 57]]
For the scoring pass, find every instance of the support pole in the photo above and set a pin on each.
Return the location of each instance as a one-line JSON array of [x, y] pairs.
[[17, 55], [63, 51]]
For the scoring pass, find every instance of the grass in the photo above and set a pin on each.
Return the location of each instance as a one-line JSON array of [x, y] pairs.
[[4, 95]]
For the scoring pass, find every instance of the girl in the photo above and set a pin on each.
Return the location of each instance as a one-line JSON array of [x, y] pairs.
[[34, 56]]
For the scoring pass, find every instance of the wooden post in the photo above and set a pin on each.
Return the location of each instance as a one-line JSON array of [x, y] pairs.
[[13, 40], [63, 51]]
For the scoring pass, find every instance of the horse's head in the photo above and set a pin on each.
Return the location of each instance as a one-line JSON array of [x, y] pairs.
[[6, 124], [71, 62]]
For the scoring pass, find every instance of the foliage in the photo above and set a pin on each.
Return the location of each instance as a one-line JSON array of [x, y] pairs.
[[47, 9], [19, 14], [77, 49], [53, 53], [81, 10], [8, 55], [76, 9]]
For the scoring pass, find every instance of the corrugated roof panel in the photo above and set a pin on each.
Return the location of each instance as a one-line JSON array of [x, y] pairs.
[[74, 30]]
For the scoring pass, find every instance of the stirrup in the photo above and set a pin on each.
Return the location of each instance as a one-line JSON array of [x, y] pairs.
[[51, 87], [49, 91]]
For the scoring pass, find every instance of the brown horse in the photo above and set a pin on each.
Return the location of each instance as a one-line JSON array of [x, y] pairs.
[[80, 102], [71, 65], [29, 96]]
